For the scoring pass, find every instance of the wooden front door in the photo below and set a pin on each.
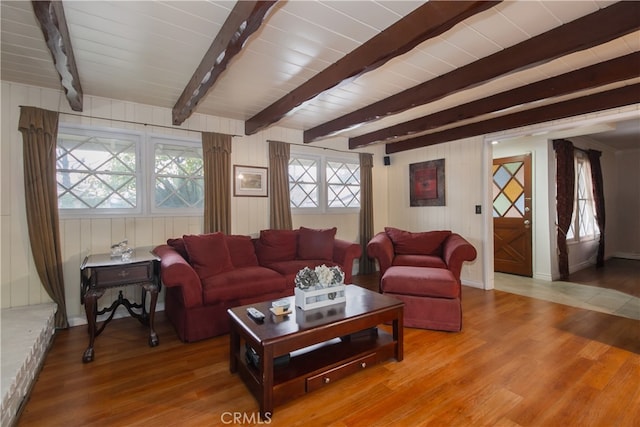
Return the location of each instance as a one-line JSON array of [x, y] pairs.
[[512, 215]]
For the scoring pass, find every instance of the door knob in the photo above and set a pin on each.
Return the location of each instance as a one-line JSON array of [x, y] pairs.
[[527, 223]]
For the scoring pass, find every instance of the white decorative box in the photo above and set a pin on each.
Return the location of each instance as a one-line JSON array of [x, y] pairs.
[[316, 298]]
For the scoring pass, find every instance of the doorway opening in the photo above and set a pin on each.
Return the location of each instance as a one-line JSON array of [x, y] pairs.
[[512, 217]]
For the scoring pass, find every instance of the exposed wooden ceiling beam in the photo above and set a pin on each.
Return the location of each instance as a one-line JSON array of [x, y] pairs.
[[591, 30], [615, 70], [614, 98], [50, 15], [427, 21], [244, 20]]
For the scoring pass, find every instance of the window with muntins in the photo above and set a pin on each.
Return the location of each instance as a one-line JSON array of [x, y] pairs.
[[583, 219], [304, 178], [320, 184], [343, 184], [97, 171], [178, 176], [103, 172]]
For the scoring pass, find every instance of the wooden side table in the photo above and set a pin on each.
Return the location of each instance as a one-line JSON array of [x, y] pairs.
[[99, 272]]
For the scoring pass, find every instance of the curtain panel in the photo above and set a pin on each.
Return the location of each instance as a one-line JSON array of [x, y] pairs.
[[598, 199], [279, 203], [565, 184], [366, 265], [216, 152], [39, 130]]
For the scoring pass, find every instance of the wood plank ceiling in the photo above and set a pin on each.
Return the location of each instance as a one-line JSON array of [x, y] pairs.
[[402, 73]]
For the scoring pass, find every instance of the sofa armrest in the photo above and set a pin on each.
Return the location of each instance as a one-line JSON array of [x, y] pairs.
[[175, 271], [380, 247], [344, 253], [456, 250]]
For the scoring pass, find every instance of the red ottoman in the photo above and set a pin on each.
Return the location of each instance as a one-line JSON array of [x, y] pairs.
[[431, 296]]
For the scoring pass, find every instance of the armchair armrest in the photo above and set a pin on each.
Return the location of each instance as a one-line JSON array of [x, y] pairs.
[[344, 253], [456, 250], [380, 247], [175, 271]]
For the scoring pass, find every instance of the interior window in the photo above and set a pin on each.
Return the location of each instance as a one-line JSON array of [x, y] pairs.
[[583, 223]]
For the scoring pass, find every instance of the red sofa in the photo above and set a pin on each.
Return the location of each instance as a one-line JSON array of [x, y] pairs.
[[423, 270], [206, 274]]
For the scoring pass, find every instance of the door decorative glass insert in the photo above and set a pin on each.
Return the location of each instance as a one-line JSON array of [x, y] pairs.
[[508, 190]]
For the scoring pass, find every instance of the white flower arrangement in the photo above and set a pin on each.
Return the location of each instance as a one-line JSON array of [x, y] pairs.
[[319, 278], [319, 287]]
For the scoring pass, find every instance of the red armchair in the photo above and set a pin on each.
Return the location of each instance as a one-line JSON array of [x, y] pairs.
[[423, 270]]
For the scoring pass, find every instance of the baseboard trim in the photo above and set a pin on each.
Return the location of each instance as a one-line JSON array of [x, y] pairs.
[[121, 312], [473, 284], [626, 255]]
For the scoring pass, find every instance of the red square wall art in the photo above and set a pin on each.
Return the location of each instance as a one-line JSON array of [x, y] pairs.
[[426, 183]]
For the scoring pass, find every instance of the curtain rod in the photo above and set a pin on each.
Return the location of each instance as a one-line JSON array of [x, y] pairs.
[[136, 123], [584, 150], [317, 148]]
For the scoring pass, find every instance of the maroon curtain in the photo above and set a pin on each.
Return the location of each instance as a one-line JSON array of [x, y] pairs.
[[598, 198], [565, 183]]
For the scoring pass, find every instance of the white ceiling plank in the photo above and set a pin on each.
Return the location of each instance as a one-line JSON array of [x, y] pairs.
[[145, 52]]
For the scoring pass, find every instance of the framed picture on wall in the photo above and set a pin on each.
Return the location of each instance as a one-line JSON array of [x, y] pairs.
[[426, 183], [250, 181]]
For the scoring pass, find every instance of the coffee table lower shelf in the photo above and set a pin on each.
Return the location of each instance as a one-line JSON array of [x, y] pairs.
[[320, 365]]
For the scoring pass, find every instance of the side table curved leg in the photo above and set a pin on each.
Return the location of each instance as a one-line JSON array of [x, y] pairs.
[[90, 307], [152, 288]]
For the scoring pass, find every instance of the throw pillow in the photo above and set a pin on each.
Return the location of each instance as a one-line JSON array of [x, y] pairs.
[[421, 243], [277, 246], [208, 254], [178, 245], [316, 244], [242, 251]]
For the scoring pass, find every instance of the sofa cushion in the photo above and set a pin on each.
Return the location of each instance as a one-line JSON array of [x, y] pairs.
[[241, 250], [421, 243], [276, 245], [241, 283], [292, 267], [178, 245], [289, 269], [316, 244], [431, 261], [208, 254], [420, 281]]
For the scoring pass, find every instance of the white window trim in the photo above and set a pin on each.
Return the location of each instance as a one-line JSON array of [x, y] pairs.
[[341, 159], [145, 168], [138, 138], [322, 181], [151, 141], [577, 238], [318, 160]]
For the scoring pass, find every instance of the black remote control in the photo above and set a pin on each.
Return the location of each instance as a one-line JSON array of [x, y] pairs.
[[255, 314]]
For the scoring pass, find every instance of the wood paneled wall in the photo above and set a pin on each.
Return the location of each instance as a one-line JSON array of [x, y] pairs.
[[467, 164], [20, 282], [464, 179]]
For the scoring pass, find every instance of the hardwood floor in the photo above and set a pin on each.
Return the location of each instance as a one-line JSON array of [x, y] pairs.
[[517, 362], [620, 274]]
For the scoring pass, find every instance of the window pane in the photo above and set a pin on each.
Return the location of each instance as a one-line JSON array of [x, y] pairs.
[[304, 196], [179, 181], [583, 221], [343, 190], [96, 172], [303, 183]]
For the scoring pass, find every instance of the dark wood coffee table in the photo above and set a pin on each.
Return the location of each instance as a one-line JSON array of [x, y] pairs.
[[323, 344]]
